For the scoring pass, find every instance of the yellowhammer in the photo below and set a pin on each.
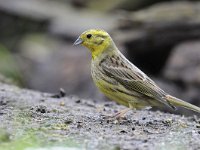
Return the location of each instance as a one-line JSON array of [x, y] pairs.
[[119, 79]]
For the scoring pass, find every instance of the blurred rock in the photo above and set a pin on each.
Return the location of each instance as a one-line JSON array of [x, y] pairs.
[[103, 5], [183, 68], [9, 69], [49, 64], [14, 27], [7, 80], [132, 5], [150, 34], [63, 20], [116, 5], [184, 64]]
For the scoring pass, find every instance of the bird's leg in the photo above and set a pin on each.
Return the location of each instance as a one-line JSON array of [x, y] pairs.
[[121, 113]]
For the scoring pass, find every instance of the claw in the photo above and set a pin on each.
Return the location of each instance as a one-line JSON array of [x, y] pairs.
[[118, 116], [121, 113]]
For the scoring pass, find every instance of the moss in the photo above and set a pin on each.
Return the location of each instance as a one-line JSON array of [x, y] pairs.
[[34, 140], [4, 136], [30, 133], [9, 67]]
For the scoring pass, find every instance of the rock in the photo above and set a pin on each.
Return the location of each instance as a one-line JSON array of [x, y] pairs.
[[16, 23], [49, 65], [80, 126], [9, 68], [133, 5], [150, 34], [62, 20], [184, 64], [182, 68], [7, 80], [116, 5]]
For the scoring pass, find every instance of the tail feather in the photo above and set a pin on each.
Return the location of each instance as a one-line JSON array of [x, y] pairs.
[[178, 102]]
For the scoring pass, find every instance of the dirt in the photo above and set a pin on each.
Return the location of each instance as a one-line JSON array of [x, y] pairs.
[[32, 120]]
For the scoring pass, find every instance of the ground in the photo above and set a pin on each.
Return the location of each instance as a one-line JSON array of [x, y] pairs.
[[33, 120]]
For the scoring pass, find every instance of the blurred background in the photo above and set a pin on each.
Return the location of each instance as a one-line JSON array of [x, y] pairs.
[[161, 37]]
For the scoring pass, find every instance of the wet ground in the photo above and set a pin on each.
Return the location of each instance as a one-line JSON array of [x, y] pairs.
[[35, 121]]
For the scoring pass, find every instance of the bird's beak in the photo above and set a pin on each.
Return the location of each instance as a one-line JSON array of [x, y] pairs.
[[78, 41]]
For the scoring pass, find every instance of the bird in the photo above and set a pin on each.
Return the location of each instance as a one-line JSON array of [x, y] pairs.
[[120, 80]]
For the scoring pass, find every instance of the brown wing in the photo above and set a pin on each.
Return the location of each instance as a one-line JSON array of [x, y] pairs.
[[132, 78]]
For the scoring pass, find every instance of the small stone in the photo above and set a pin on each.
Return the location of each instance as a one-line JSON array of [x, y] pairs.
[[3, 102], [62, 103], [123, 131], [41, 109], [68, 121], [198, 126], [145, 141], [79, 125], [78, 101], [143, 118]]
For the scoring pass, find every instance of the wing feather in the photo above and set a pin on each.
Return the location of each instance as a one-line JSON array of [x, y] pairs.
[[134, 80]]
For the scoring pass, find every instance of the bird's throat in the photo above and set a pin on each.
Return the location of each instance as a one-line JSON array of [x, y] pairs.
[[101, 49], [97, 52]]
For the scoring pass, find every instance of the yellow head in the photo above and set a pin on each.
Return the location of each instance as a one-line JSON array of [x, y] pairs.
[[97, 41]]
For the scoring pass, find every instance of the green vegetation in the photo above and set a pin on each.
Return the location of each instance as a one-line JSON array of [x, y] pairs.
[[9, 70]]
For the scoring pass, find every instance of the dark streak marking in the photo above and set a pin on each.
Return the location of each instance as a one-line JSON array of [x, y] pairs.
[[108, 81], [122, 64], [125, 92], [117, 63], [112, 61]]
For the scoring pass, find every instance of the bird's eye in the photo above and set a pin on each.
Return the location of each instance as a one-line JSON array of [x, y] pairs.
[[89, 36]]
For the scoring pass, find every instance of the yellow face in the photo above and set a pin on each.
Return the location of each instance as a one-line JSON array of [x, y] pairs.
[[95, 40]]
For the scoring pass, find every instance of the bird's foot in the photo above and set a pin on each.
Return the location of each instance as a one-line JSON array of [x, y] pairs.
[[119, 116]]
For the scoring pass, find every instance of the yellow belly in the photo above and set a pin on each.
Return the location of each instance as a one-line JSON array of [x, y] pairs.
[[113, 95], [121, 97]]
